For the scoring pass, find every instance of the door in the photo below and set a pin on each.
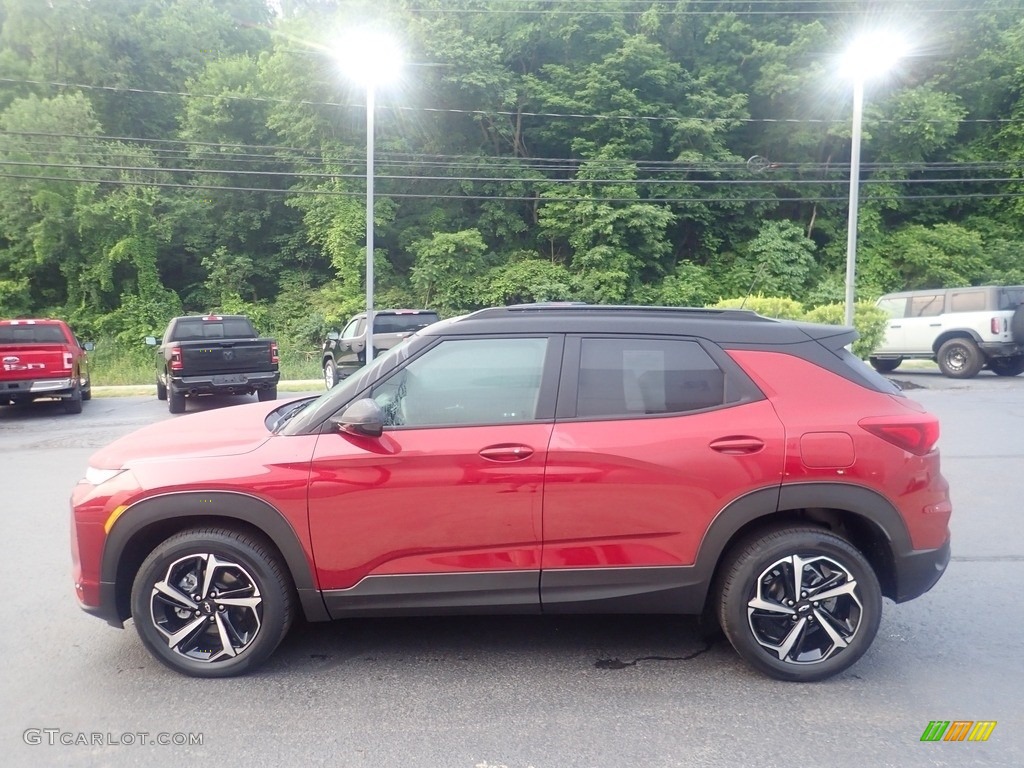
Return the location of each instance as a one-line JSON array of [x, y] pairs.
[[444, 510], [349, 348], [923, 322], [652, 440]]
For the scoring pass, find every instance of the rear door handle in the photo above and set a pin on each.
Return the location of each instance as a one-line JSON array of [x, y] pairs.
[[737, 446], [507, 452]]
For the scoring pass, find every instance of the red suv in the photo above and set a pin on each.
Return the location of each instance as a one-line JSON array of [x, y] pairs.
[[534, 459]]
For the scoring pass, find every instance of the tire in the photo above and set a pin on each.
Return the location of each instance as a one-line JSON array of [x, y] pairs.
[[87, 390], [885, 365], [161, 390], [175, 401], [226, 638], [330, 373], [1007, 366], [1017, 324], [960, 359], [73, 404], [758, 609], [266, 395]]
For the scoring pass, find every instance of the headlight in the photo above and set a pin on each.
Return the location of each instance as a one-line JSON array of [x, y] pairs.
[[97, 476]]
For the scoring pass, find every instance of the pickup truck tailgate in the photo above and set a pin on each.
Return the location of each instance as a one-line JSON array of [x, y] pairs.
[[30, 361], [221, 357]]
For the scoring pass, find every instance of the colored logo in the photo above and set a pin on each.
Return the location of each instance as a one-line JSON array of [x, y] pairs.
[[958, 730]]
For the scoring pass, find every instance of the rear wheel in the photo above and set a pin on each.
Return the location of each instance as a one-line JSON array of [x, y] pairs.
[[73, 404], [799, 604], [161, 390], [87, 390], [212, 602], [1007, 366], [266, 394], [960, 359], [884, 365], [175, 401]]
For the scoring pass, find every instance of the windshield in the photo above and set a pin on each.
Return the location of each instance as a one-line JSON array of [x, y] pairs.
[[330, 401]]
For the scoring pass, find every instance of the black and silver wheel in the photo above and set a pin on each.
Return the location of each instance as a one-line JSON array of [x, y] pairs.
[[264, 395], [330, 373], [799, 604], [212, 602], [161, 390], [175, 401], [885, 364], [1007, 366], [960, 359]]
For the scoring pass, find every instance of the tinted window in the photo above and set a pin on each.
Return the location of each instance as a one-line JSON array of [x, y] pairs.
[[225, 328], [404, 323], [31, 334], [623, 377], [926, 306], [353, 329], [969, 301], [1011, 298], [466, 381]]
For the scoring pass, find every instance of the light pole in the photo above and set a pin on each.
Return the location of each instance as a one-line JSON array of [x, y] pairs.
[[868, 56], [371, 59]]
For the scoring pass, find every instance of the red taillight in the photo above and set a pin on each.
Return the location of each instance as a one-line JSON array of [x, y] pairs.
[[918, 433], [995, 325], [176, 363], [274, 358]]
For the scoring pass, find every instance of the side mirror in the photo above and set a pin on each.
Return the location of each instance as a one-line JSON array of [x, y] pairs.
[[333, 335], [363, 418], [151, 341], [88, 346]]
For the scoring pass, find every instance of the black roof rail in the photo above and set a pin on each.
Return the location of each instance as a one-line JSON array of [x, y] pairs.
[[574, 307]]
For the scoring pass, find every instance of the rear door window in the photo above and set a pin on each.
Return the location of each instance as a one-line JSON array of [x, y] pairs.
[[929, 305]]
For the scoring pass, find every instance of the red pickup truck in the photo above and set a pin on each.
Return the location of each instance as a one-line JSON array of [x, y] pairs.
[[42, 358]]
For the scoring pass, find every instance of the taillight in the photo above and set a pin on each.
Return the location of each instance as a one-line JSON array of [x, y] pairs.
[[995, 325], [917, 433], [68, 360], [274, 358], [176, 363]]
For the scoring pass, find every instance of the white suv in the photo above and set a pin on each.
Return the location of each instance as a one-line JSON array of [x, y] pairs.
[[962, 329]]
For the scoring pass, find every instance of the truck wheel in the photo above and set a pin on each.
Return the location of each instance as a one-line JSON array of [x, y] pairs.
[[265, 395], [87, 390], [885, 365], [73, 404], [175, 401], [1017, 324], [161, 390], [1007, 366], [960, 359], [212, 602], [799, 604], [330, 373]]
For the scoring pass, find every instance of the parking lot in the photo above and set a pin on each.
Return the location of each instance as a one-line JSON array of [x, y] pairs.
[[518, 692]]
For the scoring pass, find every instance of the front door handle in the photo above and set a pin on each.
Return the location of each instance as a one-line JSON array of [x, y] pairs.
[[506, 452], [739, 445]]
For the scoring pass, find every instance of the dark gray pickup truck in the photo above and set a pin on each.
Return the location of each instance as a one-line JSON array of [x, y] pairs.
[[345, 352], [213, 354]]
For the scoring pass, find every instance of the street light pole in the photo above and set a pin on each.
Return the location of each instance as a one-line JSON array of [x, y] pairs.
[[851, 224], [369, 221]]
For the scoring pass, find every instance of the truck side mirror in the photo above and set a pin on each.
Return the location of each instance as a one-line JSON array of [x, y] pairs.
[[151, 341], [88, 346]]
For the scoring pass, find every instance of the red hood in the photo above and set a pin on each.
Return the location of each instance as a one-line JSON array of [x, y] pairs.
[[226, 431]]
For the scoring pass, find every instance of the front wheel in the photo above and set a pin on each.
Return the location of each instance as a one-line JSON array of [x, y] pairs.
[[330, 373], [799, 604], [1007, 366], [885, 365], [212, 602], [960, 359]]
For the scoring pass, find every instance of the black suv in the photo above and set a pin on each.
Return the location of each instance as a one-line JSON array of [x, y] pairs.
[[345, 352]]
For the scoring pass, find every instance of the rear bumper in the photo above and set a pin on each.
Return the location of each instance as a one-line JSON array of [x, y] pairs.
[[32, 388], [232, 384], [919, 570], [1001, 348]]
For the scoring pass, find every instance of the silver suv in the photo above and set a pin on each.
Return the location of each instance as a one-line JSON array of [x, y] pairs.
[[962, 329]]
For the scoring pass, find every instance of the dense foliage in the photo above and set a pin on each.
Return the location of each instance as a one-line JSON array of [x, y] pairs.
[[166, 155]]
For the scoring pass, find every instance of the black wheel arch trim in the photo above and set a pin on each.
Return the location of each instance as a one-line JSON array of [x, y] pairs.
[[205, 507], [956, 333]]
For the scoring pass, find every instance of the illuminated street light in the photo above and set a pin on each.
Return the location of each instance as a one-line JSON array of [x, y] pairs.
[[869, 56], [371, 59]]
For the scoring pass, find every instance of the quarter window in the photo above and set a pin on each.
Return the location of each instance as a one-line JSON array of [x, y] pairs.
[[466, 381], [969, 301], [629, 377]]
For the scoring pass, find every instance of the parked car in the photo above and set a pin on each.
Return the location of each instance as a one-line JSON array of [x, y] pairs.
[[962, 329], [535, 459], [43, 358], [213, 354], [344, 353]]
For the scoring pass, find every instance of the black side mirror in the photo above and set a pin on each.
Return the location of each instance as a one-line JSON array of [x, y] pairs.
[[363, 418]]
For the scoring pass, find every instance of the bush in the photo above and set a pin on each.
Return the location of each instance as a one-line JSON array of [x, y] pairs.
[[868, 319], [769, 306]]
